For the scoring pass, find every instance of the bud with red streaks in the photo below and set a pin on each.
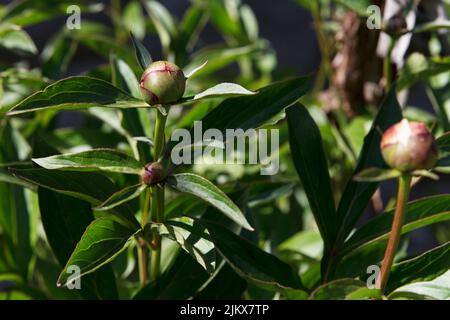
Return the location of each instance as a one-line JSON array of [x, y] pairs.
[[162, 83], [408, 146], [153, 173]]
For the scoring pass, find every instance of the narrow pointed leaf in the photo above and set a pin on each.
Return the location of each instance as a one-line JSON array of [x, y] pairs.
[[376, 175], [122, 196], [93, 160], [311, 165], [79, 92], [252, 111], [133, 19], [357, 195], [424, 267], [193, 239], [142, 55], [425, 174], [443, 143], [102, 241], [207, 191], [250, 261], [12, 37], [88, 186], [64, 220], [174, 283], [163, 22], [190, 73], [436, 25], [436, 289], [223, 90], [419, 213], [337, 290]]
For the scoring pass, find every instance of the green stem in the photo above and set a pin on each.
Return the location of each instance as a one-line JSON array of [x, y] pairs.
[[142, 247], [142, 260], [387, 66], [157, 196], [404, 187], [325, 64]]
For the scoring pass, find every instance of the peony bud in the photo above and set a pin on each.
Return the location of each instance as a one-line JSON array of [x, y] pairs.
[[153, 173], [396, 25], [409, 146], [162, 82]]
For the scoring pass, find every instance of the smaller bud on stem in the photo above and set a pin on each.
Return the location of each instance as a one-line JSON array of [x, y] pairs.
[[396, 25], [153, 173]]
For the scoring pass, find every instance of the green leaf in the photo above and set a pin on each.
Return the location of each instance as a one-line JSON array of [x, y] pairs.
[[100, 39], [189, 28], [251, 262], [438, 289], [418, 67], [28, 12], [77, 92], [17, 223], [184, 205], [181, 281], [376, 175], [195, 70], [122, 196], [124, 77], [12, 37], [225, 18], [424, 267], [64, 220], [192, 238], [57, 54], [218, 57], [443, 143], [306, 243], [268, 192], [435, 25], [357, 195], [425, 174], [311, 165], [226, 284], [142, 55], [163, 22], [208, 192], [249, 22], [252, 111], [88, 186], [5, 177], [337, 290], [102, 241], [418, 214], [92, 160], [222, 90], [359, 6], [68, 140], [134, 20]]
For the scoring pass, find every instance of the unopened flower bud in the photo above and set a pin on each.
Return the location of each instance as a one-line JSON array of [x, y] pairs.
[[396, 25], [162, 82], [409, 146], [153, 173]]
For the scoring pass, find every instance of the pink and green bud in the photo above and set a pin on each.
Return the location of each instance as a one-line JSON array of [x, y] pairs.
[[408, 146], [162, 83], [153, 173]]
